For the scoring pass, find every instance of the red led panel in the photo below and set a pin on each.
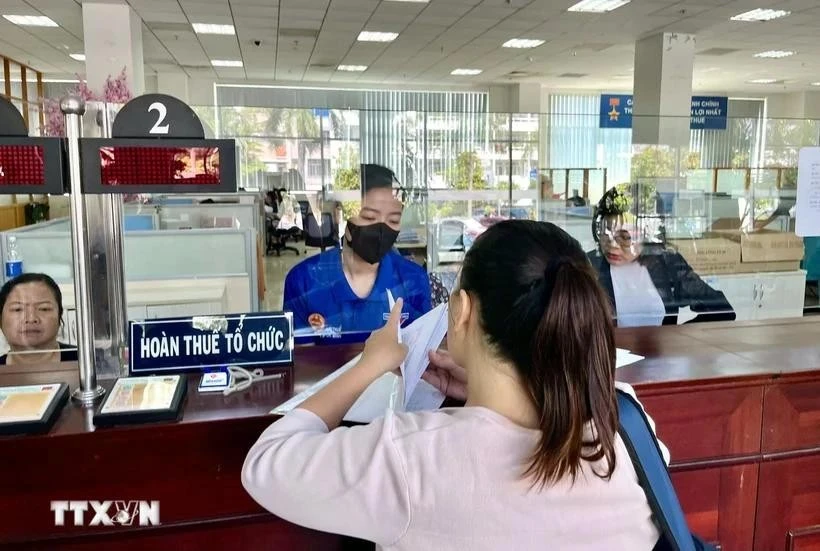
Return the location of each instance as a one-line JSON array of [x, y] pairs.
[[22, 165], [130, 166]]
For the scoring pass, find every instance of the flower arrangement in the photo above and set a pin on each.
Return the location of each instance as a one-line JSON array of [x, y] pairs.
[[115, 91]]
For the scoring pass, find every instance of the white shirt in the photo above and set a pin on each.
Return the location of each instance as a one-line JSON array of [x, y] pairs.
[[637, 301], [446, 480]]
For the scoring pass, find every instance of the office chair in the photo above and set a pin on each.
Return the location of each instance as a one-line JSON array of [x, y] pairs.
[[277, 239], [324, 235]]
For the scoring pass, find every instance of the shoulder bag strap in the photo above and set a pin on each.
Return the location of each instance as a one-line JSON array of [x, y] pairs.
[[653, 474]]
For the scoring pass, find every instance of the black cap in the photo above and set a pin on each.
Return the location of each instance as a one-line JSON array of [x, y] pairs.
[[376, 176]]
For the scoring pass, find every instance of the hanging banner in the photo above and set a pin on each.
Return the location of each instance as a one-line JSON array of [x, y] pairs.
[[707, 112]]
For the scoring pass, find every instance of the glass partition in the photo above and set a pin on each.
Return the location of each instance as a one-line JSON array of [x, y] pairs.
[[718, 204]]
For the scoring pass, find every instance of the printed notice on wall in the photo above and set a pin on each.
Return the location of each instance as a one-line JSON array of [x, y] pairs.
[[807, 210]]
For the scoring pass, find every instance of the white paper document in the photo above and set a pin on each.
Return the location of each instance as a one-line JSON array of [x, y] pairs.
[[406, 393], [409, 392], [625, 357], [421, 336], [807, 208]]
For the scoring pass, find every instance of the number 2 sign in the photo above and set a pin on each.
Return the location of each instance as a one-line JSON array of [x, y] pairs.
[[157, 116]]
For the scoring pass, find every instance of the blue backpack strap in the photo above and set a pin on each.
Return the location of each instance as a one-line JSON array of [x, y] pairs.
[[653, 476]]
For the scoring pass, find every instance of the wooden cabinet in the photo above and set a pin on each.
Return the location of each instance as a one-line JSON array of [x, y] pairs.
[[791, 418], [788, 505], [745, 460], [720, 504], [705, 424]]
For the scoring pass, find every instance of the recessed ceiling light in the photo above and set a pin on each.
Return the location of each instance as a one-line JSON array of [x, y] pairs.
[[775, 54], [466, 72], [31, 20], [352, 68], [760, 15], [815, 83], [226, 63], [598, 6], [371, 36], [522, 43], [762, 81], [210, 28], [78, 57]]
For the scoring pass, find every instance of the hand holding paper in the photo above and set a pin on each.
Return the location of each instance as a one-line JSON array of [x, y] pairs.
[[445, 375], [384, 348]]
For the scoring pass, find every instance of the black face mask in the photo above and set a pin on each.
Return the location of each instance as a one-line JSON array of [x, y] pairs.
[[371, 242]]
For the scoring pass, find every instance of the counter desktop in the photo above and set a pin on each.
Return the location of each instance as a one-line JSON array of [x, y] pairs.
[[703, 384]]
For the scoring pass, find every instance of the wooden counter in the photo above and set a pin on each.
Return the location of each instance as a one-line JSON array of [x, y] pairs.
[[737, 404]]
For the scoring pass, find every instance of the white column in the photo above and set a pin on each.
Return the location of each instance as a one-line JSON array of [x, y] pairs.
[[112, 35], [663, 89]]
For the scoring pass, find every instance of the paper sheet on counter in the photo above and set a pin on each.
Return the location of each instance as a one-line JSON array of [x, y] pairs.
[[625, 357]]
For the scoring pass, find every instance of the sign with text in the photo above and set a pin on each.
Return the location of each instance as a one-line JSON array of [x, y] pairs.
[[205, 342], [616, 111], [709, 113], [706, 113]]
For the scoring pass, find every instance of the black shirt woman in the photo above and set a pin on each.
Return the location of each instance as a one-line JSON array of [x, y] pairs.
[[647, 283], [31, 310]]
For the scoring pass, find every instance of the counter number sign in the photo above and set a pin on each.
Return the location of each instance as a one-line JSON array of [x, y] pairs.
[[158, 145]]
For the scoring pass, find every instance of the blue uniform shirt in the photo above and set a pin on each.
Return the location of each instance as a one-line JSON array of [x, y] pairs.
[[318, 294]]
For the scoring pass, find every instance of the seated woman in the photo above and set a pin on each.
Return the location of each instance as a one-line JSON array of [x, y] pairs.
[[533, 461], [31, 310], [346, 290], [647, 283]]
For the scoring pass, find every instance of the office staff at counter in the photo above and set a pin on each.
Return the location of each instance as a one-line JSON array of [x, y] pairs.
[[345, 289], [533, 459], [647, 283], [31, 311]]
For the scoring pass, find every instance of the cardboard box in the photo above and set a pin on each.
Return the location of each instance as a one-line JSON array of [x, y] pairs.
[[709, 255], [759, 267], [771, 246], [761, 245]]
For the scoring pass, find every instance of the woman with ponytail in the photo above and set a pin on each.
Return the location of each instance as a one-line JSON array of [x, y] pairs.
[[533, 461]]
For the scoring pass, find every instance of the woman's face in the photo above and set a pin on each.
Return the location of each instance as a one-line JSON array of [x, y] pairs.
[[618, 243], [30, 317]]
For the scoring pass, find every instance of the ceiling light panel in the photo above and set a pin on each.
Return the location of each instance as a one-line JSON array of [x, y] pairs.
[[78, 57], [210, 28], [522, 43], [466, 72], [31, 20], [775, 54], [597, 6], [352, 68], [226, 63], [760, 15], [374, 36]]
